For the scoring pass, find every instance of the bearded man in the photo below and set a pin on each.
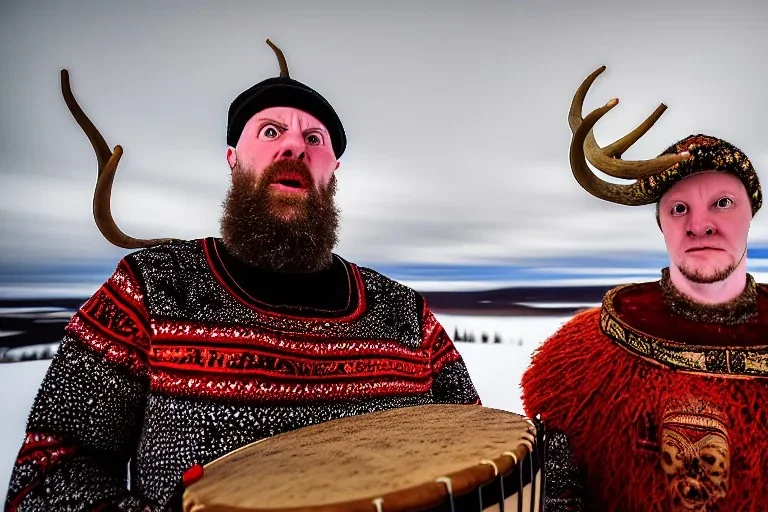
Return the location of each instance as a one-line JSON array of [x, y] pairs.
[[660, 394], [192, 349]]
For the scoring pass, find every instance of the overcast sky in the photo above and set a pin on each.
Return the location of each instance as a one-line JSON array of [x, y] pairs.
[[456, 115]]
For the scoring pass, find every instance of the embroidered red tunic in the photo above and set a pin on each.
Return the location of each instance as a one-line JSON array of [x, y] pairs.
[[180, 358], [662, 411]]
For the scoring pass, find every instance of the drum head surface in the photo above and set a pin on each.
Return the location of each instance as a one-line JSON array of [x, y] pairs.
[[344, 464]]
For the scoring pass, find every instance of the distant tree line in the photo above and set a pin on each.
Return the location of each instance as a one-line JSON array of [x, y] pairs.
[[20, 356], [469, 337]]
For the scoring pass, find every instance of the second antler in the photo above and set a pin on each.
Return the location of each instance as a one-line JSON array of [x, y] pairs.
[[608, 160], [107, 162]]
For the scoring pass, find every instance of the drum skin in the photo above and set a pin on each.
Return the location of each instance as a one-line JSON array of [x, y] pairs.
[[398, 458]]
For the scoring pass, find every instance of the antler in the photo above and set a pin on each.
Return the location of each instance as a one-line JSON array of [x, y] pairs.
[[107, 161], [280, 59], [584, 147]]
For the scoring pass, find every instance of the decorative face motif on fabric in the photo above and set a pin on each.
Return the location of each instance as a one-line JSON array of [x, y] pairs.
[[695, 456]]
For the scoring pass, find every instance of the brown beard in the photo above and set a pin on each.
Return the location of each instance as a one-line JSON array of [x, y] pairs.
[[280, 233], [695, 276]]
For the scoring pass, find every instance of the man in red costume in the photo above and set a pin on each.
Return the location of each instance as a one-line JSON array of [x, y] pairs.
[[192, 349], [662, 393]]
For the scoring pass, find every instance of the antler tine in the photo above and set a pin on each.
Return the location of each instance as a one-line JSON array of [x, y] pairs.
[[107, 162], [607, 159], [280, 60], [623, 144], [577, 104], [103, 153], [622, 194]]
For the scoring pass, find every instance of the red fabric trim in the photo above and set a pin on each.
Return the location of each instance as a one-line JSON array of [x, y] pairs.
[[642, 307], [113, 321], [125, 355], [286, 366], [215, 387], [430, 326], [442, 350], [308, 345], [44, 450], [16, 501], [109, 317], [141, 323], [358, 278], [125, 282], [449, 357]]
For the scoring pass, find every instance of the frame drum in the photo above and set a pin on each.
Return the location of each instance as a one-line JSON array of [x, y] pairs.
[[422, 458]]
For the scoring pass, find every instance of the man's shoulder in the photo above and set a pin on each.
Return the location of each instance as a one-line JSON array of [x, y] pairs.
[[578, 334], [375, 277], [174, 248], [578, 358], [174, 256]]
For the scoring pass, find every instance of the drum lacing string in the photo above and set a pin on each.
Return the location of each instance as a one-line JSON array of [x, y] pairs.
[[447, 481], [541, 447], [379, 504], [529, 439], [501, 479], [526, 439], [510, 454], [195, 508]]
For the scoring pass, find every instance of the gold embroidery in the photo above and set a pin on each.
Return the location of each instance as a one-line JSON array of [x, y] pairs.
[[722, 361]]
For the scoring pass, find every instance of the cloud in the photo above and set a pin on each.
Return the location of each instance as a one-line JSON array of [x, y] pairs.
[[458, 140]]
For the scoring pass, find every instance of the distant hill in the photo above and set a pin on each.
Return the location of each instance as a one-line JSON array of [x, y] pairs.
[[534, 301]]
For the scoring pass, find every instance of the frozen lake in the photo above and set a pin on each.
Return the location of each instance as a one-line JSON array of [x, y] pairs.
[[495, 368]]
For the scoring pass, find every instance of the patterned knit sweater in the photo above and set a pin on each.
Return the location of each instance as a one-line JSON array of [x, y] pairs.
[[181, 357]]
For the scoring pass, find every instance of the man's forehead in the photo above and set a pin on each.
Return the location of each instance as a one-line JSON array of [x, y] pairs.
[[289, 115], [706, 180]]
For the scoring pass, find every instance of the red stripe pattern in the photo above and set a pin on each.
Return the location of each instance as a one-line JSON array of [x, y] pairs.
[[252, 362]]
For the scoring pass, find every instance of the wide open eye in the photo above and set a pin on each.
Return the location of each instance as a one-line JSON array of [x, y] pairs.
[[269, 131], [679, 209], [314, 139], [724, 202]]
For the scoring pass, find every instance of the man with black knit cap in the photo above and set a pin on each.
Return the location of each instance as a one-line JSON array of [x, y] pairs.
[[192, 349], [656, 401]]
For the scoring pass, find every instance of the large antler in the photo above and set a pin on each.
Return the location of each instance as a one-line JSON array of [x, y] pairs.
[[584, 147], [107, 161]]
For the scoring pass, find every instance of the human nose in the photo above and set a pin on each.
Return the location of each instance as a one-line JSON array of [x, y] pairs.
[[700, 224], [292, 146]]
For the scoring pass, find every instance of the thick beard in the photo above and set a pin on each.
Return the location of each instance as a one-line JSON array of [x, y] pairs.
[[695, 276], [256, 228]]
